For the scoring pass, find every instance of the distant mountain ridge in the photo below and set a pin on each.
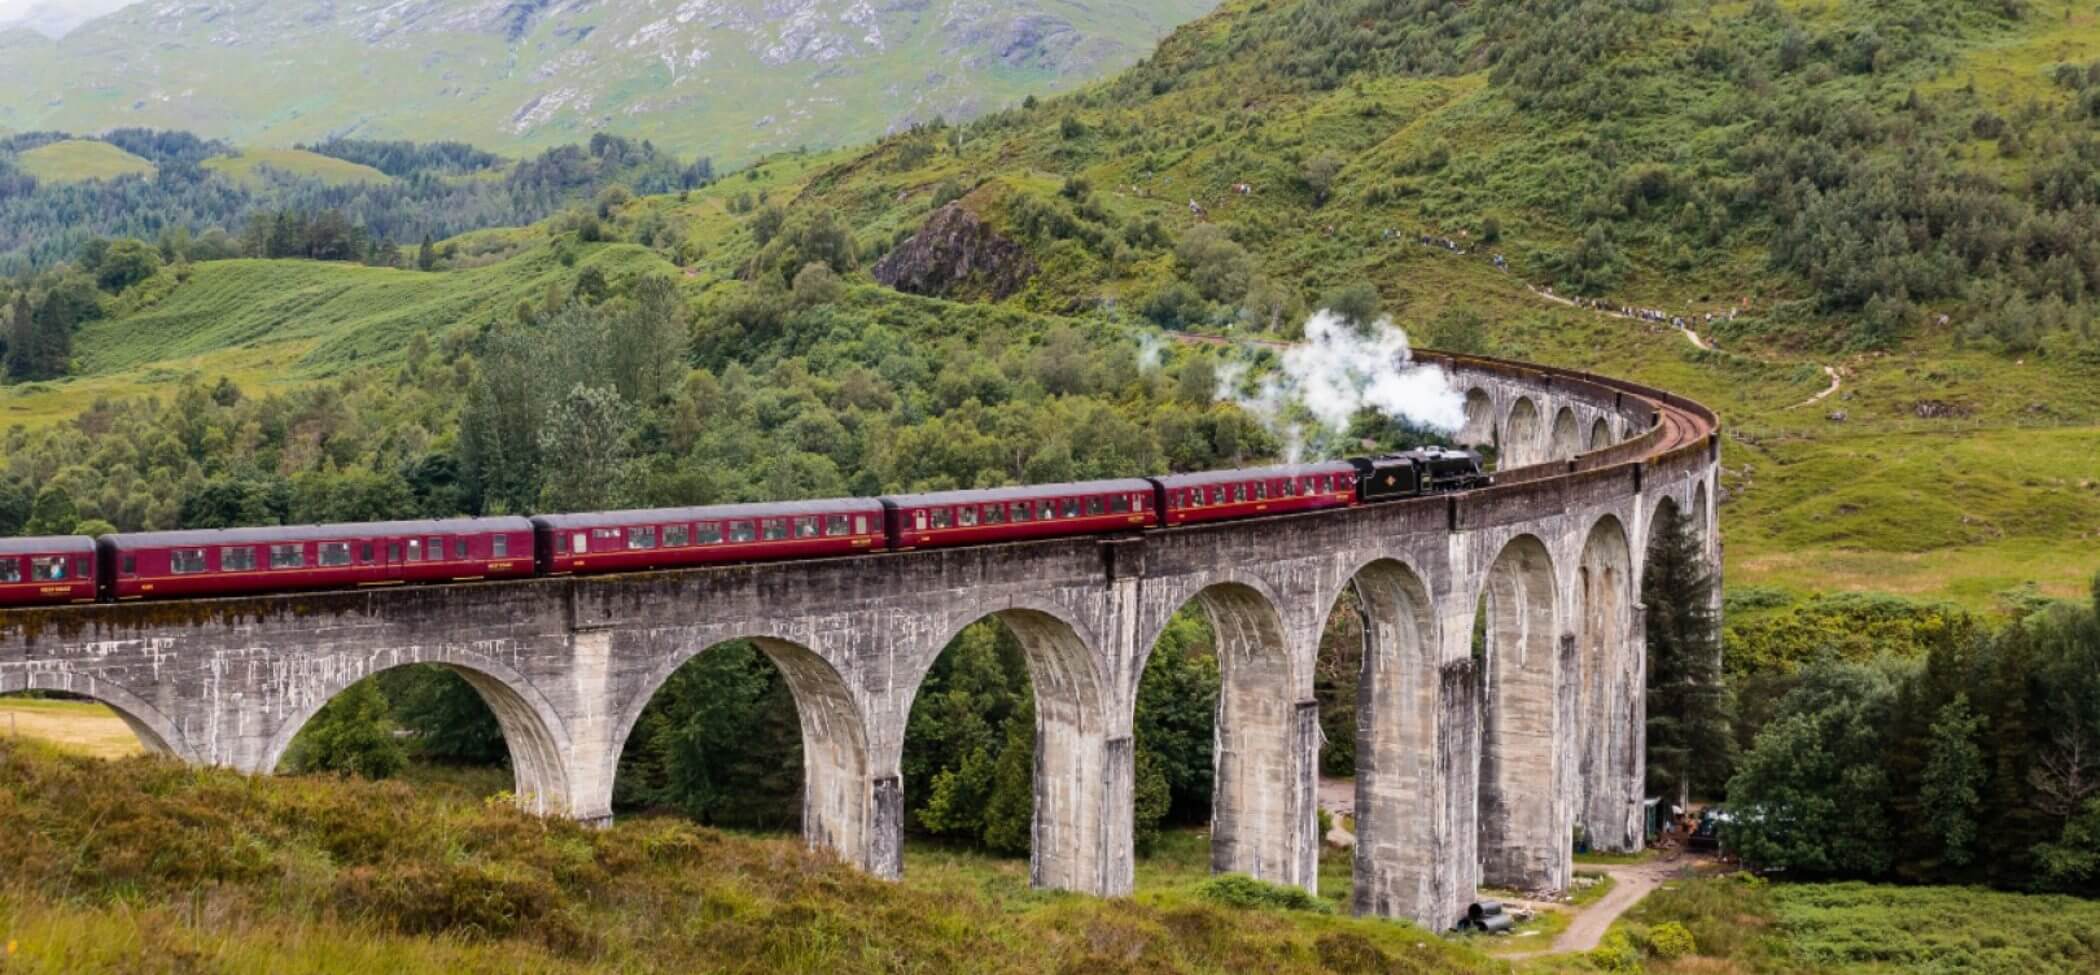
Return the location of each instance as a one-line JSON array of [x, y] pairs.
[[728, 78], [52, 18]]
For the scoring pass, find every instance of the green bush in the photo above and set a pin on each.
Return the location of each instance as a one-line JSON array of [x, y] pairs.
[[1671, 940], [1617, 953], [1240, 890]]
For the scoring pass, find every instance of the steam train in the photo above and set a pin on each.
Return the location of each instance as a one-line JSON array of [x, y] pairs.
[[247, 561]]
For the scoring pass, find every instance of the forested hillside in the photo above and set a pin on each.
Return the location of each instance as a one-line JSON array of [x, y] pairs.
[[198, 199]]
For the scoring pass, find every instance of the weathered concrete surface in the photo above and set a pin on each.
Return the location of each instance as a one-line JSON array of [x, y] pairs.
[[1472, 765]]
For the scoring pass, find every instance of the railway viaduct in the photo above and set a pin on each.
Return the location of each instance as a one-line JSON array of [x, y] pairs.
[[1474, 767]]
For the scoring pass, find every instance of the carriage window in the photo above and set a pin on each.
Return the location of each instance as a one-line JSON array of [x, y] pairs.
[[1261, 490], [1045, 510], [806, 526], [940, 517], [580, 544], [1140, 502], [1071, 507], [50, 568], [966, 516], [335, 553], [1020, 512], [365, 554], [287, 556], [182, 561], [1324, 485], [710, 534], [835, 524], [918, 520], [415, 548], [741, 531], [1094, 506], [459, 548], [235, 559], [995, 514], [131, 567], [677, 536], [1239, 492], [11, 570], [1217, 494], [775, 529], [499, 546], [1120, 504], [860, 524], [437, 549], [638, 538], [393, 552]]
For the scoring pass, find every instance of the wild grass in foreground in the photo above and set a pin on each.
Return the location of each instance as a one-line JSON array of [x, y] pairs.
[[146, 865], [1742, 924]]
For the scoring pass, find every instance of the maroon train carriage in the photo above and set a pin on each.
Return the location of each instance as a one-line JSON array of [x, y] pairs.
[[237, 561], [638, 541], [1256, 492], [47, 571], [1012, 514]]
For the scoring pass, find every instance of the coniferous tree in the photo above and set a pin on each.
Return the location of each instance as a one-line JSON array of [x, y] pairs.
[[426, 255], [21, 339], [1690, 746]]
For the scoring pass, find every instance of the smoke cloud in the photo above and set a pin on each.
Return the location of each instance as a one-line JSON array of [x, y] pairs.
[[1338, 372], [1151, 352]]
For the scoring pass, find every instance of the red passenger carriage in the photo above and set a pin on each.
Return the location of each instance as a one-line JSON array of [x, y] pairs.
[[46, 571], [662, 538], [1012, 514], [238, 561], [1257, 492]]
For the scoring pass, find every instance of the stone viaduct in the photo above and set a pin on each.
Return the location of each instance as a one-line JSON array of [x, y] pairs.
[[1474, 767]]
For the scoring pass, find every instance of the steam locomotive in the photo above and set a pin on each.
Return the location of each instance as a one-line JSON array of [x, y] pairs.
[[248, 561]]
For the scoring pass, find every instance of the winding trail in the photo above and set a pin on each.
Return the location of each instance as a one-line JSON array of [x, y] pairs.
[[1837, 381], [1630, 883]]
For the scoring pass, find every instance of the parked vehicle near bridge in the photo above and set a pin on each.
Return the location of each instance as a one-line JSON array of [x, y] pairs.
[[248, 561]]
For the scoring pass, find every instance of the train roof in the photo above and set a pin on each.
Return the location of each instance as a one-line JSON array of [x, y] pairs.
[[1205, 478], [721, 512], [317, 533], [48, 545], [1033, 492]]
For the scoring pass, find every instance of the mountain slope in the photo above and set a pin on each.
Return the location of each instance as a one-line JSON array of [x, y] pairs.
[[729, 78]]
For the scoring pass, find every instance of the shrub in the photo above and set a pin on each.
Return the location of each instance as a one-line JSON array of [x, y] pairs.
[[1240, 890], [1671, 940], [1617, 953]]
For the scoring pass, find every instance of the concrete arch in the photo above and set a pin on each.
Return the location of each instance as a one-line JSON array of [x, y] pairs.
[[1702, 522], [154, 730], [1523, 825], [1608, 687], [1080, 834], [1523, 434], [1396, 730], [837, 802], [1479, 429], [1567, 435], [1600, 435], [1264, 806], [532, 728]]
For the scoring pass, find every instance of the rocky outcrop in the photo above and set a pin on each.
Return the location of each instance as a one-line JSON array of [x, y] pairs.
[[954, 254]]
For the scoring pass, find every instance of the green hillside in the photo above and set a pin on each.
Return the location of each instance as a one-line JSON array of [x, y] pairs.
[[78, 160], [248, 166]]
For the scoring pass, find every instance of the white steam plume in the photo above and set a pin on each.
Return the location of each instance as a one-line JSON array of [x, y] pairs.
[[1337, 373], [1151, 352]]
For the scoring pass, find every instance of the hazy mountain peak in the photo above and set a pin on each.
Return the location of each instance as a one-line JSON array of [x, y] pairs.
[[726, 77]]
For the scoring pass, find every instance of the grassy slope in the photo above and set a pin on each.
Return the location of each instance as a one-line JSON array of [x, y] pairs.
[[290, 875], [246, 167], [79, 160]]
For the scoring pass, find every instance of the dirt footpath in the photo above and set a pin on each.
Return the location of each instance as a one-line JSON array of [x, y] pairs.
[[1630, 883]]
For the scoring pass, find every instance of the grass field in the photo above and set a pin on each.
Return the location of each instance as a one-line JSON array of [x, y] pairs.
[[79, 160], [246, 167], [1871, 929], [81, 727]]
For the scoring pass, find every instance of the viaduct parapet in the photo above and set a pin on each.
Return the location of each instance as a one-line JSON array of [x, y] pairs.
[[1473, 768]]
